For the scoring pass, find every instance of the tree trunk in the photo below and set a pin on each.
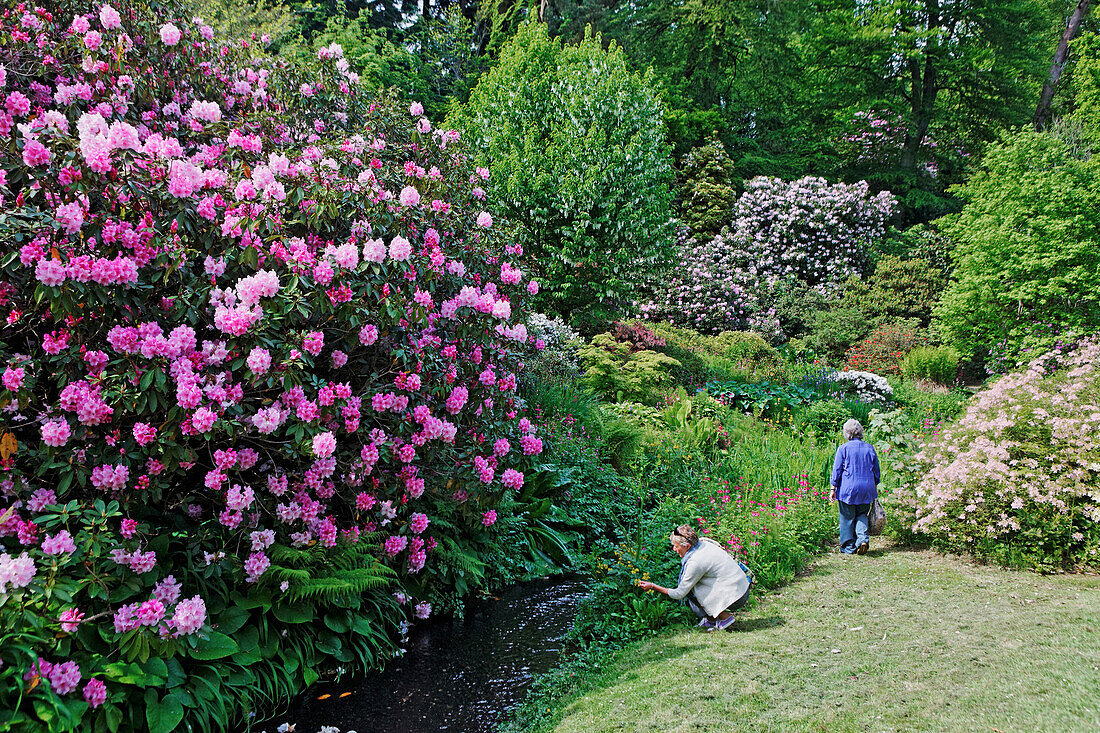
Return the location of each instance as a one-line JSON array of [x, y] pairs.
[[1042, 112], [923, 90]]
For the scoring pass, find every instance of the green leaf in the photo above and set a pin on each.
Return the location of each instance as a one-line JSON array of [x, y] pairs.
[[163, 716], [216, 646], [231, 619], [294, 614], [129, 673]]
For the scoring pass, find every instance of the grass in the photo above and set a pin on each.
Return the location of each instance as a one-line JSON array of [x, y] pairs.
[[896, 641]]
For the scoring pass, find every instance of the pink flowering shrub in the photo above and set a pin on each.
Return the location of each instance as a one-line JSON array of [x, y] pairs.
[[1014, 479], [259, 359]]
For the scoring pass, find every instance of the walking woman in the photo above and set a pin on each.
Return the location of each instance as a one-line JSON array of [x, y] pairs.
[[855, 487]]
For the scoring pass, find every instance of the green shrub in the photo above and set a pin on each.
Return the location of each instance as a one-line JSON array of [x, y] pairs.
[[594, 318], [612, 371], [906, 288], [823, 418], [939, 364], [709, 192], [925, 408], [840, 326], [1027, 250], [576, 144], [799, 307], [731, 355], [749, 352]]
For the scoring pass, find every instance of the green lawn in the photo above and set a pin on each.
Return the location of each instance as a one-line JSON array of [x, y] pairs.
[[898, 640]]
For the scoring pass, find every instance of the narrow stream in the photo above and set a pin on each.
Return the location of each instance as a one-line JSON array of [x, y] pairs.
[[456, 676]]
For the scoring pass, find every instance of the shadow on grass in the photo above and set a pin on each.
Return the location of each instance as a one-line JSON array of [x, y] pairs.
[[758, 624]]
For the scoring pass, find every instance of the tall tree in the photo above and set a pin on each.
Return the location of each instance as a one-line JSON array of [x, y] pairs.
[[1073, 27], [951, 72]]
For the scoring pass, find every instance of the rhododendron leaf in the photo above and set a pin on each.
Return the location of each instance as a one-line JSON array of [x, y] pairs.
[[164, 715], [215, 646], [131, 673], [232, 619]]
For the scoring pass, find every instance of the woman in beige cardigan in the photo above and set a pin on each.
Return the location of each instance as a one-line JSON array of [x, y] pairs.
[[710, 579]]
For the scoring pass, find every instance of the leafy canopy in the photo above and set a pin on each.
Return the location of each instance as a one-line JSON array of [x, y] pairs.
[[1028, 249], [579, 161]]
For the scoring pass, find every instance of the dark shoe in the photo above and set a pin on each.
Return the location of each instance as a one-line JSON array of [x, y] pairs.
[[862, 549]]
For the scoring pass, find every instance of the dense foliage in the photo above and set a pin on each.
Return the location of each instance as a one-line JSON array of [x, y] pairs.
[[261, 345], [1027, 252], [576, 141]]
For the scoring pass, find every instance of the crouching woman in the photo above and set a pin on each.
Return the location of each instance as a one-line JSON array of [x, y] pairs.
[[711, 580]]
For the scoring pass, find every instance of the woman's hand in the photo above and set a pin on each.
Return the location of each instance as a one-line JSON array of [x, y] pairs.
[[645, 585], [832, 494]]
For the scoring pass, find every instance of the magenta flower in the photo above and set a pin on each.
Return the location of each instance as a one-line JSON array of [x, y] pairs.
[[400, 249], [203, 419], [58, 544], [95, 692], [64, 677], [13, 378], [35, 154], [70, 619], [190, 616], [314, 342], [109, 18], [489, 518]]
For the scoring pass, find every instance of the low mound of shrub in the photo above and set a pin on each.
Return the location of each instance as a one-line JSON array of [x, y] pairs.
[[938, 364]]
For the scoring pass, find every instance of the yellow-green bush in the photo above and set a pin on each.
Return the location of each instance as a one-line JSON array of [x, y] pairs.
[[939, 364], [731, 355], [612, 371]]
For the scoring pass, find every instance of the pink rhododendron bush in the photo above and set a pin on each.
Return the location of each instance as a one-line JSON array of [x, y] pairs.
[[258, 371], [1015, 479]]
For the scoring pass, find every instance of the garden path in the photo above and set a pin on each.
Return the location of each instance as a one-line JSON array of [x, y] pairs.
[[898, 640]]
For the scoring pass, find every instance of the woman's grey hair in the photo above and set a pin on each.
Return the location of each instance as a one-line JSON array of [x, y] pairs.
[[853, 430], [685, 536]]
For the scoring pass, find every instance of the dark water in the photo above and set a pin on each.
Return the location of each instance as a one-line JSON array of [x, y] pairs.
[[456, 676]]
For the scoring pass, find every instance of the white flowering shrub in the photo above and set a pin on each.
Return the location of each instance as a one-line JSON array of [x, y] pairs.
[[866, 386], [1015, 480], [808, 229], [556, 345], [708, 290]]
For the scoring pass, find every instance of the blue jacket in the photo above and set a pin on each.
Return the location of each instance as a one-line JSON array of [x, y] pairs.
[[856, 473]]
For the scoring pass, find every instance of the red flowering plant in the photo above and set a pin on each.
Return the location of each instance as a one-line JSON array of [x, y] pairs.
[[262, 339], [883, 351]]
